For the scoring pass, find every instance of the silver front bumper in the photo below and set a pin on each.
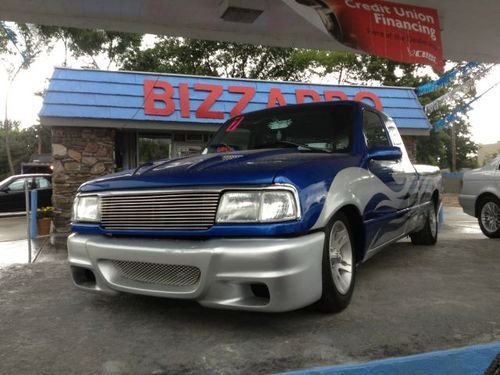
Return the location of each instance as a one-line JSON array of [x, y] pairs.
[[290, 269]]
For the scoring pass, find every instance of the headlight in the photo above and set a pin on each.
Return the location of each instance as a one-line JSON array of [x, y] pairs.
[[86, 209], [264, 206]]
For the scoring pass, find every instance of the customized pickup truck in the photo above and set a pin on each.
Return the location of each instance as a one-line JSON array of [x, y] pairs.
[[275, 215]]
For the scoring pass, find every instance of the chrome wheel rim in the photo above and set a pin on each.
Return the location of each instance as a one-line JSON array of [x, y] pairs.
[[490, 217], [341, 259], [433, 220]]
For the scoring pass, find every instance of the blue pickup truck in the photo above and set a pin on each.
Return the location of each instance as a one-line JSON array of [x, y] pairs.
[[275, 215]]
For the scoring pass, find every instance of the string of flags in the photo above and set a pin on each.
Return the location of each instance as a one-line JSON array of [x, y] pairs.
[[453, 115], [467, 86], [446, 78], [468, 73]]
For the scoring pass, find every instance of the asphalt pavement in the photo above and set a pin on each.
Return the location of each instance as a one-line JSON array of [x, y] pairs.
[[408, 299]]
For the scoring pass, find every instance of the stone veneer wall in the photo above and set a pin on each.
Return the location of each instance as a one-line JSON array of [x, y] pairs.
[[80, 154], [411, 147]]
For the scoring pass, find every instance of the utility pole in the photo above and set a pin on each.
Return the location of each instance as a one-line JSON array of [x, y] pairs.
[[39, 131], [6, 122], [453, 149]]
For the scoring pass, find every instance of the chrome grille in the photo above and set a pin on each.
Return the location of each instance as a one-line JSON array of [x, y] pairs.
[[170, 210], [157, 273]]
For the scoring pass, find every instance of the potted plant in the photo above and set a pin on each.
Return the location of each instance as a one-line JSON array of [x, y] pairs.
[[44, 219]]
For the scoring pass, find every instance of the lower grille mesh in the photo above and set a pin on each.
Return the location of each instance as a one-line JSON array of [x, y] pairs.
[[157, 273]]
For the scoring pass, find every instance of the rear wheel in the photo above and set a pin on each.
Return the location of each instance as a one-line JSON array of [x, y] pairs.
[[489, 216], [339, 265], [429, 233]]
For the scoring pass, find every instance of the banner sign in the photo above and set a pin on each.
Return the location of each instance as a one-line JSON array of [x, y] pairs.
[[400, 32]]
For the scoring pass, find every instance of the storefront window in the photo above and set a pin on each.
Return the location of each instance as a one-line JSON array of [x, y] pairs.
[[153, 147]]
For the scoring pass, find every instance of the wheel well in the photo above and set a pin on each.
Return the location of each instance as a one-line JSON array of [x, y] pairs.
[[357, 229], [435, 199], [480, 198]]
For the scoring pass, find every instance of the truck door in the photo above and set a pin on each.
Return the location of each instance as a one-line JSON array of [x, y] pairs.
[[385, 213], [408, 172]]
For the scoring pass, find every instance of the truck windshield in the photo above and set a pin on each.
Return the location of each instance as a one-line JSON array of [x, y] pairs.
[[309, 129]]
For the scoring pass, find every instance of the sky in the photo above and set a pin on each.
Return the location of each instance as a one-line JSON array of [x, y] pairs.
[[24, 104]]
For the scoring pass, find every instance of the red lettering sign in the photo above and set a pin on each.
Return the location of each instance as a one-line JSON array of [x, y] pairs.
[[159, 99], [369, 95], [184, 99], [275, 95], [301, 94], [215, 91], [248, 94], [165, 97]]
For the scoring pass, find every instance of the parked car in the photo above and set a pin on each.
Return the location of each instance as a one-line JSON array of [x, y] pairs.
[[480, 196], [274, 216], [12, 196]]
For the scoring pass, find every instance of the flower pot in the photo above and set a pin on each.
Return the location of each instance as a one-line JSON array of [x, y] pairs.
[[44, 226]]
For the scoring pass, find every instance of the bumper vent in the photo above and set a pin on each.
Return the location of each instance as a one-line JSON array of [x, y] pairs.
[[157, 273], [172, 210]]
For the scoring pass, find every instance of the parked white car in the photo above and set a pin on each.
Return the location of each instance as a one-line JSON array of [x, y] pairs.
[[480, 196]]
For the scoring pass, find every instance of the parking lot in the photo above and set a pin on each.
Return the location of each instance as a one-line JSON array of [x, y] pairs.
[[407, 300]]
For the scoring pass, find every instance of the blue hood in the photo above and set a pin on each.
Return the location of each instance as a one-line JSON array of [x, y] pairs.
[[256, 167]]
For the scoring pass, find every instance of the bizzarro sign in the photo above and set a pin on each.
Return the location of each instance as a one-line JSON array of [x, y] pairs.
[[151, 99], [162, 98]]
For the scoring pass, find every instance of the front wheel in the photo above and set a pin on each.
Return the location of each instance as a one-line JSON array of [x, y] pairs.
[[339, 265], [429, 233], [489, 217]]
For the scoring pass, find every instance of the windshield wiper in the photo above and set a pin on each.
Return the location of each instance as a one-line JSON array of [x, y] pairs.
[[291, 144]]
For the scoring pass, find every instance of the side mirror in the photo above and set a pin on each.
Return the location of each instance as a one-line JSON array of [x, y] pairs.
[[384, 153]]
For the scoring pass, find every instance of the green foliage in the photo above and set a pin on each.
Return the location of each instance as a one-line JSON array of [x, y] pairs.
[[436, 149], [210, 58], [4, 41], [45, 212], [23, 143], [30, 43], [91, 43]]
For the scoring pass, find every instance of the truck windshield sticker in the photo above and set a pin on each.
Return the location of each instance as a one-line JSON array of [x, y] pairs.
[[279, 124], [234, 125]]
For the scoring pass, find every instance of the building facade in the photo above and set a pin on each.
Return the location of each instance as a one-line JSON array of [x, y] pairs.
[[105, 121]]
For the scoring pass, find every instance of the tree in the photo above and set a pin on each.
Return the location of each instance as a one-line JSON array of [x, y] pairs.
[[4, 40], [211, 58], [23, 143], [92, 43], [26, 41], [437, 149]]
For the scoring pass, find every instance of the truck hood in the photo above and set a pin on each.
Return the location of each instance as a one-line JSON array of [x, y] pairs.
[[255, 167]]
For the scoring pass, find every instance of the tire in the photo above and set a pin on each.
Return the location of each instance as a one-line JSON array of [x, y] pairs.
[[489, 216], [339, 265], [428, 235]]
